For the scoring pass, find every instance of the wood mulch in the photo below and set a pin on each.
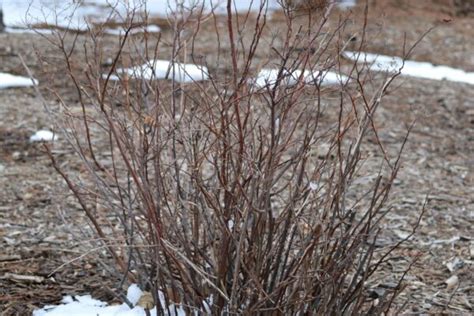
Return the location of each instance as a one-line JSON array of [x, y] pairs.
[[43, 256]]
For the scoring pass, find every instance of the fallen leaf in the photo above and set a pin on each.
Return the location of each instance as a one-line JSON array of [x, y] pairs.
[[146, 301]]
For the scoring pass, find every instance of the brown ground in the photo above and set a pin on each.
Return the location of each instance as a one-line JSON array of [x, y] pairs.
[[36, 211]]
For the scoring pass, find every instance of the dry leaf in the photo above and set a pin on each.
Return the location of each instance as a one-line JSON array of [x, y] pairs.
[[146, 301]]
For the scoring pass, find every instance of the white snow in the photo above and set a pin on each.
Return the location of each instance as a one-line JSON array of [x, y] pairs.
[[268, 78], [134, 293], [163, 69], [411, 68], [12, 81], [74, 15], [43, 136], [85, 305], [65, 14], [137, 30], [22, 30], [346, 4]]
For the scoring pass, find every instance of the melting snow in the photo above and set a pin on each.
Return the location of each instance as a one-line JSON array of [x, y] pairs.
[[74, 15], [346, 4], [43, 136], [86, 306], [11, 81], [136, 30], [411, 68], [163, 69], [134, 293], [19, 14], [269, 77]]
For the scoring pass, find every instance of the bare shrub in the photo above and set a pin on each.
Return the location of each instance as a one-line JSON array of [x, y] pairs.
[[226, 196]]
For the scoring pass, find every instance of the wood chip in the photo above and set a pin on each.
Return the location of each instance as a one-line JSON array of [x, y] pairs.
[[452, 282], [22, 278], [9, 258], [455, 264]]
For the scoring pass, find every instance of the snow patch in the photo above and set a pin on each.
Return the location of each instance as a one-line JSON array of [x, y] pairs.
[[43, 136], [20, 14], [269, 77], [136, 30], [86, 306], [12, 81], [411, 68], [83, 307], [163, 69], [23, 30], [346, 4], [134, 293], [75, 15]]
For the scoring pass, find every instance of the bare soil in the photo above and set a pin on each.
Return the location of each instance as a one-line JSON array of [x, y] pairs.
[[40, 223]]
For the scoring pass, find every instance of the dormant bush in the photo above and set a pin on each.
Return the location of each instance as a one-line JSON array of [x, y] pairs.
[[224, 195]]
